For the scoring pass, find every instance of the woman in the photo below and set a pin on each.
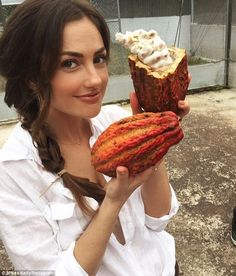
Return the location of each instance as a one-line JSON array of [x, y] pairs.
[[57, 212]]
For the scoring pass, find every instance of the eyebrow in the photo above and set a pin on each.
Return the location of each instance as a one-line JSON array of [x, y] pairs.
[[77, 54]]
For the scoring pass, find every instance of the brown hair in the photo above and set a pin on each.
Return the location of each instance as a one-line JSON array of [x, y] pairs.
[[30, 47]]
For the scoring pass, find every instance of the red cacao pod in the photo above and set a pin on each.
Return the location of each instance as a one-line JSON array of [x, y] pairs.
[[136, 142], [161, 90]]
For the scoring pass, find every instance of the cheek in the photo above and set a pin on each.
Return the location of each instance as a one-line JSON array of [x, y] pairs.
[[105, 77], [63, 86]]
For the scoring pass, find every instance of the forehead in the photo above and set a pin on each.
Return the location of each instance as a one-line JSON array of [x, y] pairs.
[[80, 35]]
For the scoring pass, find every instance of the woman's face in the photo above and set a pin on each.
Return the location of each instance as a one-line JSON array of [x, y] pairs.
[[79, 83]]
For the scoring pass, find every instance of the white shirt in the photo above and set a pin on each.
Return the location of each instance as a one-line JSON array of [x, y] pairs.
[[39, 232]]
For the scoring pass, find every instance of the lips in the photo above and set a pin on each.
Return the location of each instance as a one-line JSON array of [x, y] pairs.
[[92, 97], [89, 95]]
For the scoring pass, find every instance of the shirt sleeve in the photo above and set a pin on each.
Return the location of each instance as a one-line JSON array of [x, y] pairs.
[[155, 224], [68, 264], [29, 239]]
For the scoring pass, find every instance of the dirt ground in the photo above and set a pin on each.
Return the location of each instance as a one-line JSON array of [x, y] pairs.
[[203, 173]]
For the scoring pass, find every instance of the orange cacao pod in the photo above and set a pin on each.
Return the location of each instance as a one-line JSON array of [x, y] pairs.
[[160, 90], [136, 142]]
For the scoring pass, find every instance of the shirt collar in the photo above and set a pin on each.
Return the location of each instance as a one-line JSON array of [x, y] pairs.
[[19, 145]]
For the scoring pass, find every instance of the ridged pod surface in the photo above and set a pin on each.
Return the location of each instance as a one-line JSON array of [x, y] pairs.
[[161, 90], [136, 142]]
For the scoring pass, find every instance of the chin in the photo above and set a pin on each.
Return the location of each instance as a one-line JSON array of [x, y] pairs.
[[94, 112]]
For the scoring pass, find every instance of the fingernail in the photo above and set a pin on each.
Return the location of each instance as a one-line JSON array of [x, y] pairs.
[[122, 172]]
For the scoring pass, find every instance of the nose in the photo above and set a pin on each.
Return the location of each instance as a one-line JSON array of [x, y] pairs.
[[92, 76]]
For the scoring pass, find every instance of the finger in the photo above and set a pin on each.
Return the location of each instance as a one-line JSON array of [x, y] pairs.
[[184, 108], [189, 77], [122, 174], [134, 103]]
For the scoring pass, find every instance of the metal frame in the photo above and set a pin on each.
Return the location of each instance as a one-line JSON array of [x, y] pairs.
[[118, 19], [1, 15], [228, 42]]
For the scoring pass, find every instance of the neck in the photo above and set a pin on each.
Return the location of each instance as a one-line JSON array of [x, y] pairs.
[[68, 129]]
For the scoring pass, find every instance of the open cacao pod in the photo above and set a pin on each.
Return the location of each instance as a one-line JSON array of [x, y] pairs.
[[136, 142], [160, 90]]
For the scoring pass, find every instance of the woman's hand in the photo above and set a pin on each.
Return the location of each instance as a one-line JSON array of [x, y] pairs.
[[119, 189], [91, 245]]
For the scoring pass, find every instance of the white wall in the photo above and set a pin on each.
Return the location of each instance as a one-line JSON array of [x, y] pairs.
[[212, 38], [209, 40], [5, 112], [232, 68], [166, 27], [232, 74], [11, 2]]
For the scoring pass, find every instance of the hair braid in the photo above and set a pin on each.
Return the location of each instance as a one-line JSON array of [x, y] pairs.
[[53, 161]]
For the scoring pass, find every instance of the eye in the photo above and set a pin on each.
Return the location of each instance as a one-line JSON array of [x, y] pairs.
[[69, 64], [100, 59]]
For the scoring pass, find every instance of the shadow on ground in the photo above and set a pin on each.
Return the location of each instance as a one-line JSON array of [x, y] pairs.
[[203, 173]]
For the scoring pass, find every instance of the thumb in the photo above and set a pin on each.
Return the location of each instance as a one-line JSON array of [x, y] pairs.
[[122, 174]]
